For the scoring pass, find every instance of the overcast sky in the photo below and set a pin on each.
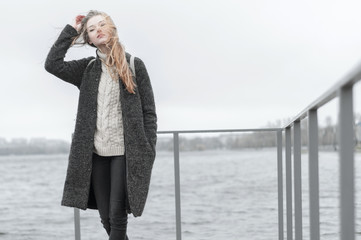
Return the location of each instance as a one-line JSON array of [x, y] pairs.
[[213, 64]]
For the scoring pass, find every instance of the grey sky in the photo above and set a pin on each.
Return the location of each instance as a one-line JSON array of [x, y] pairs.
[[213, 64]]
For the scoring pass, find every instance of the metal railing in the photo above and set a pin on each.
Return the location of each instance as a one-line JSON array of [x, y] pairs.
[[176, 163], [344, 91]]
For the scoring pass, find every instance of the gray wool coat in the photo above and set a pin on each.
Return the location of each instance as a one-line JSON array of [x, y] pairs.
[[139, 122]]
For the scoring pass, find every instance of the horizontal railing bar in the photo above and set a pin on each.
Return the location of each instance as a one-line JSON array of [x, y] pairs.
[[349, 79], [223, 130]]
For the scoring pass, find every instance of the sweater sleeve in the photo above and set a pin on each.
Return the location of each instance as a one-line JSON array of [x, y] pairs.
[[69, 71], [147, 100]]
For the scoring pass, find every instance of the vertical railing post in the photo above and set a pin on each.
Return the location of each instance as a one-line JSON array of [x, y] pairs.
[[297, 179], [177, 185], [288, 183], [280, 184], [77, 223], [346, 143], [313, 175]]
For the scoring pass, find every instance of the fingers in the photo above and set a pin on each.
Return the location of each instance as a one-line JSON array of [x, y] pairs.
[[77, 22], [79, 18]]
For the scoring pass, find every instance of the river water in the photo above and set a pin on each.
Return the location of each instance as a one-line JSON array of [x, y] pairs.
[[224, 194]]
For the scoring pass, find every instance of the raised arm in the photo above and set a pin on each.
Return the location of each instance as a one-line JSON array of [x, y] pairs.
[[69, 71]]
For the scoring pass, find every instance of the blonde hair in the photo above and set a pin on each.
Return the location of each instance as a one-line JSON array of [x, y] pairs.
[[116, 58]]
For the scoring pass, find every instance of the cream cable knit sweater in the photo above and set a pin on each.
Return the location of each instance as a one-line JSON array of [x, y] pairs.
[[109, 137]]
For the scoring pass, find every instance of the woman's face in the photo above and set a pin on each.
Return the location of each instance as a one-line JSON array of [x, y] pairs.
[[98, 32]]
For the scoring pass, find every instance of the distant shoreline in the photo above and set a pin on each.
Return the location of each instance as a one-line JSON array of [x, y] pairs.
[[304, 151]]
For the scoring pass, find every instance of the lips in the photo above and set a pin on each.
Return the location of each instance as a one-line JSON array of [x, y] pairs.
[[100, 35]]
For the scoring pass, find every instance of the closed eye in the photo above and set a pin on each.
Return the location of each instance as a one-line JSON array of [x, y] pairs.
[[102, 24]]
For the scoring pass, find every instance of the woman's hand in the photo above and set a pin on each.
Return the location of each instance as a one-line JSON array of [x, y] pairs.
[[77, 22]]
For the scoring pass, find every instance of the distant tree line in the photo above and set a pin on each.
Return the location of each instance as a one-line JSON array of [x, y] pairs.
[[22, 146], [327, 140]]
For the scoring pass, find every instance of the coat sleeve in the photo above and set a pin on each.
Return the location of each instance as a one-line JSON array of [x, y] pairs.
[[147, 100], [69, 71]]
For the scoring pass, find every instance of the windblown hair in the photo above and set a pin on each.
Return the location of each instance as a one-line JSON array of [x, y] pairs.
[[116, 58]]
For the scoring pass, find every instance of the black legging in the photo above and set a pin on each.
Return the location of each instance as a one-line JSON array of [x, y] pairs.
[[109, 183]]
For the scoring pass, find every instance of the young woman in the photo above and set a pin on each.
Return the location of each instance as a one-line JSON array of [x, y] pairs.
[[113, 145]]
